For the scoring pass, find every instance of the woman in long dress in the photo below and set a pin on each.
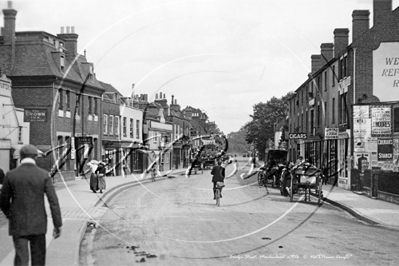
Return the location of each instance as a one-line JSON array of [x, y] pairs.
[[101, 176], [93, 177]]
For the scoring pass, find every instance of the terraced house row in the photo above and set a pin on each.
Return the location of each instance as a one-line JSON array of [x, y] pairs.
[[52, 98], [346, 113]]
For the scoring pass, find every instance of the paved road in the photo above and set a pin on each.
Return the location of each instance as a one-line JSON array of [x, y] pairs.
[[177, 221]]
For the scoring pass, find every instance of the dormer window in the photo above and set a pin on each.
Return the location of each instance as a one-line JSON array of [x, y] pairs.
[[62, 62]]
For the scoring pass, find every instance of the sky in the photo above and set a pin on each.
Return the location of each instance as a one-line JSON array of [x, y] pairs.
[[221, 56]]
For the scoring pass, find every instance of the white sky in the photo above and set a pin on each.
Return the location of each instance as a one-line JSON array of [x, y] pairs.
[[222, 56]]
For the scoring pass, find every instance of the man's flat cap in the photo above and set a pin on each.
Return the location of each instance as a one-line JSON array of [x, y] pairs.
[[28, 150]]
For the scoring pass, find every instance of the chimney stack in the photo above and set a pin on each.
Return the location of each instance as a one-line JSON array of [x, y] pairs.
[[340, 40], [71, 41], [382, 10], [9, 30], [360, 23], [327, 52], [316, 63]]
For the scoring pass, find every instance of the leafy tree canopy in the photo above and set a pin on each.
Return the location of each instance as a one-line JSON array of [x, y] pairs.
[[265, 115]]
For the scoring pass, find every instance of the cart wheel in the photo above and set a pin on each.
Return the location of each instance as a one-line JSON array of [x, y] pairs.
[[292, 189], [320, 191], [274, 181], [283, 184], [260, 179]]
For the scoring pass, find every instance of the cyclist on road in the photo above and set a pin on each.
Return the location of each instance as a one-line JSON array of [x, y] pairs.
[[218, 174]]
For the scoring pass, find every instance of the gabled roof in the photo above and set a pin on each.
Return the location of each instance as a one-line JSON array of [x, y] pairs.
[[34, 56], [109, 88]]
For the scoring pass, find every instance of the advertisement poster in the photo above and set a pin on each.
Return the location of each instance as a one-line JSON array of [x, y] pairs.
[[385, 150], [361, 112], [381, 120]]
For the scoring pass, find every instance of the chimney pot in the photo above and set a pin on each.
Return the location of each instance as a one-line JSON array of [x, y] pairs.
[[9, 4], [360, 23], [73, 29], [62, 29], [316, 63], [327, 52], [382, 11], [340, 40], [67, 29]]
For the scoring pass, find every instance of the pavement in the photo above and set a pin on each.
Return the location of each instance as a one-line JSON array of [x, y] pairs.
[[80, 207]]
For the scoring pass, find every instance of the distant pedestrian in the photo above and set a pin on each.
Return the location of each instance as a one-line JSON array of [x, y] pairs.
[[154, 170], [218, 174], [22, 202], [101, 172], [93, 164]]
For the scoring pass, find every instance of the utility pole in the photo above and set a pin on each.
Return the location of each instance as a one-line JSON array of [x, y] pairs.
[[73, 142]]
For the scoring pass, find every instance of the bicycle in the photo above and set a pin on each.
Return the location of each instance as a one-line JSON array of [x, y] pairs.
[[218, 192]]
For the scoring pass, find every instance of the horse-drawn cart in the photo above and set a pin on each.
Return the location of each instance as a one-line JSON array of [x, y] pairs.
[[304, 178]]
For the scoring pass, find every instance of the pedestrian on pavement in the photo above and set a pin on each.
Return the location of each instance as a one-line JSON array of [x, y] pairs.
[[100, 172], [22, 202], [218, 174], [93, 164], [154, 171]]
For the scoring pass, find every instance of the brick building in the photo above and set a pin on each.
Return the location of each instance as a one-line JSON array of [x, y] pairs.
[[48, 75], [342, 76]]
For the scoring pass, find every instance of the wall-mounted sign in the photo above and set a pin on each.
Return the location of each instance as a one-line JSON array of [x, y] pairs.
[[35, 115], [386, 71], [385, 150], [331, 133], [79, 141], [381, 120], [298, 136]]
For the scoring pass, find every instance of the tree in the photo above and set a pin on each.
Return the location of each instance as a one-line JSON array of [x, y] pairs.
[[265, 115]]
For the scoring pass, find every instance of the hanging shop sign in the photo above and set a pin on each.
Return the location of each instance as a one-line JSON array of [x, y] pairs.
[[331, 133]]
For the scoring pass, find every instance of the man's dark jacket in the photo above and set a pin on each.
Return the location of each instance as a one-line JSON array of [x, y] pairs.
[[218, 173], [22, 200]]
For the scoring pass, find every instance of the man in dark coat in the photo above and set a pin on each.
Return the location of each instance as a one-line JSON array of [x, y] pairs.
[[218, 174], [22, 201]]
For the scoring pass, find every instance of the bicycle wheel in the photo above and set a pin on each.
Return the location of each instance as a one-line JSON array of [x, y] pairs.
[[260, 179], [217, 197], [292, 189], [319, 190]]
